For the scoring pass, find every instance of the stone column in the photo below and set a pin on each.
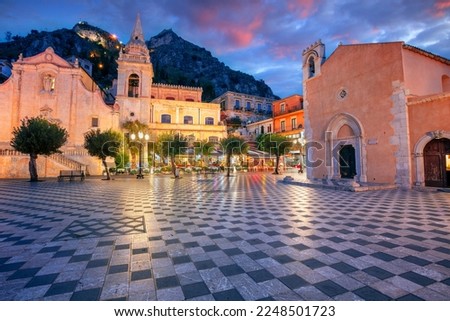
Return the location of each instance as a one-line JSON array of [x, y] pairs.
[[420, 177]]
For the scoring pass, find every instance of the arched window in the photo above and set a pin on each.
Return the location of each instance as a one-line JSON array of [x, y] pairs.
[[165, 119], [311, 67], [262, 129], [188, 120], [209, 121], [133, 86]]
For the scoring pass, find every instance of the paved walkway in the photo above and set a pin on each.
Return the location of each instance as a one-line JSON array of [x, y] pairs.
[[246, 237]]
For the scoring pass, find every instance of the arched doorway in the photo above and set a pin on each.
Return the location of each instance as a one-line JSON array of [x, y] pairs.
[[436, 159], [345, 151]]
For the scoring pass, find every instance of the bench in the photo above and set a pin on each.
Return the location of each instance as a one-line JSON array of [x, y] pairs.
[[71, 175]]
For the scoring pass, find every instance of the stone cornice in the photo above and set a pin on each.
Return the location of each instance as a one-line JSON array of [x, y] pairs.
[[426, 99], [157, 85]]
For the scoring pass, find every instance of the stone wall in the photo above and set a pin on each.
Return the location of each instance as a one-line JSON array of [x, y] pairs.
[[15, 165]]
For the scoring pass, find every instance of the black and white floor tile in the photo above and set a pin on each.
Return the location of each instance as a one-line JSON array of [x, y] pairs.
[[246, 237]]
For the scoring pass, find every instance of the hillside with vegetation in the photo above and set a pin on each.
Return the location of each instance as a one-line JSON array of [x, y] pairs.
[[175, 60]]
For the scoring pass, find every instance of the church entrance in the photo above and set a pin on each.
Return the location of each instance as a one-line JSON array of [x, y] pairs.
[[347, 161], [437, 163]]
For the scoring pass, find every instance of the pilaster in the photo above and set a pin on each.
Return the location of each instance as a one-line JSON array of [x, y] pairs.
[[400, 124]]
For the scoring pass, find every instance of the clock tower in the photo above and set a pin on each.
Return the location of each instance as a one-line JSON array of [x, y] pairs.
[[135, 78]]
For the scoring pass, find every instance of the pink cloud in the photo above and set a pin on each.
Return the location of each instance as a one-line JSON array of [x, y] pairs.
[[441, 7], [239, 33], [239, 38], [304, 8]]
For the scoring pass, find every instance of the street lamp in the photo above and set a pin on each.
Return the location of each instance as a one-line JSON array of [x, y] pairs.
[[141, 137]]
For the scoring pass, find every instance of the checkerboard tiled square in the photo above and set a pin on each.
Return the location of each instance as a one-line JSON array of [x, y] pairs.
[[240, 238]]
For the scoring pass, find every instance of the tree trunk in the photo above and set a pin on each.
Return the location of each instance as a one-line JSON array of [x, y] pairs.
[[108, 177], [277, 163], [33, 168], [174, 167], [228, 164]]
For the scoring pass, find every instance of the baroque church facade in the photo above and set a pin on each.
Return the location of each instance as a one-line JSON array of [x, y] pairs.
[[377, 113], [47, 85]]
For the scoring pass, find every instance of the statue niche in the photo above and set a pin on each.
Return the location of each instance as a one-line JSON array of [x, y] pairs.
[[48, 83]]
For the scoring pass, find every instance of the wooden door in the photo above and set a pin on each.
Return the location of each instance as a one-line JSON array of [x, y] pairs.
[[434, 155]]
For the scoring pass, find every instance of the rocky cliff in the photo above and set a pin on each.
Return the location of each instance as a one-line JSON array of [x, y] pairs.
[[175, 60]]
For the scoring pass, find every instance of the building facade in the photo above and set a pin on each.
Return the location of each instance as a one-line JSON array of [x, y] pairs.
[[288, 116], [377, 113], [164, 108], [47, 85], [288, 121], [234, 101], [260, 127], [248, 108]]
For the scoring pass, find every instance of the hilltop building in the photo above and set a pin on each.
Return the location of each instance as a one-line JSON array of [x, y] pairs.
[[377, 113], [63, 92], [244, 107]]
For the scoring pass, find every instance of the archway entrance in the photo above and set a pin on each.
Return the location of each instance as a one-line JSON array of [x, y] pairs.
[[345, 152], [437, 163], [347, 161]]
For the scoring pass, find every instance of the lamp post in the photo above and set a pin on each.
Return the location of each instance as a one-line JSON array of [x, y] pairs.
[[140, 138]]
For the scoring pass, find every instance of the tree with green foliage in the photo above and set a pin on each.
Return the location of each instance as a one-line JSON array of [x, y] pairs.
[[102, 145], [233, 145], [37, 136], [234, 122], [169, 146], [274, 144], [134, 126], [122, 158], [204, 148], [8, 36]]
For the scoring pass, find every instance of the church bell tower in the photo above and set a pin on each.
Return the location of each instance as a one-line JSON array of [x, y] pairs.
[[134, 78], [313, 57]]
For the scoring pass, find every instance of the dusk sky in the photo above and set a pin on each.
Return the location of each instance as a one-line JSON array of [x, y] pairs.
[[264, 38]]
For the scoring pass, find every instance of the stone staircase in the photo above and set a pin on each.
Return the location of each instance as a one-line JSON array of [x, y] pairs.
[[67, 162]]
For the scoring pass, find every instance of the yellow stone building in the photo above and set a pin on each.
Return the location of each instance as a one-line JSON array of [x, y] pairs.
[[63, 92]]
